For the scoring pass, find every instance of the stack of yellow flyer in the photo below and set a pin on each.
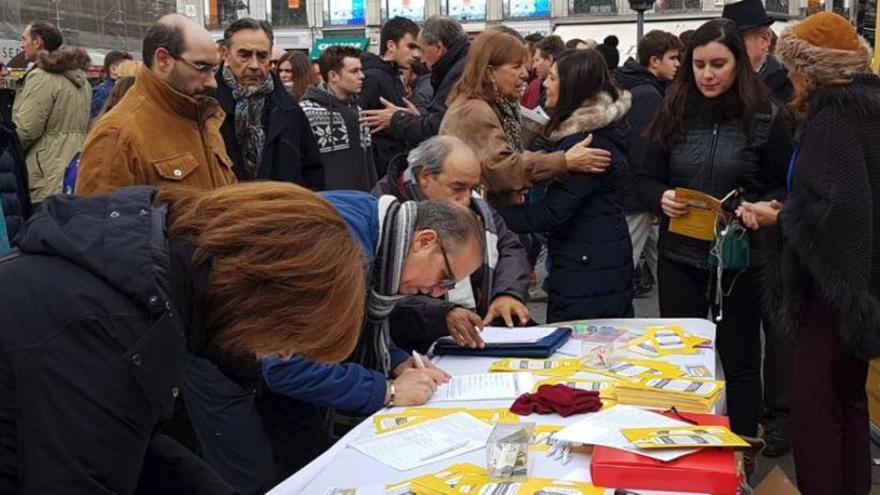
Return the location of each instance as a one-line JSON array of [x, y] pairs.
[[414, 415], [683, 437], [605, 388], [664, 341], [552, 367], [531, 486], [685, 394], [444, 482]]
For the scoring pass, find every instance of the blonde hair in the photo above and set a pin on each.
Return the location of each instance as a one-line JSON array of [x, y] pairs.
[[492, 48], [286, 275], [128, 68]]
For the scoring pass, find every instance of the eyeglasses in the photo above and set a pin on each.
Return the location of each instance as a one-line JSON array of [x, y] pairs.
[[449, 282], [203, 69]]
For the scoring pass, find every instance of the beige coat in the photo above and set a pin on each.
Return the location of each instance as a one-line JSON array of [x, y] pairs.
[[475, 122], [156, 136], [51, 115]]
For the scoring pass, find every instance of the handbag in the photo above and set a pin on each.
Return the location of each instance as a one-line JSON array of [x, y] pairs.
[[731, 249]]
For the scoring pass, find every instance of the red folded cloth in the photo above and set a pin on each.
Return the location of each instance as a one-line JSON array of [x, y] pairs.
[[559, 398]]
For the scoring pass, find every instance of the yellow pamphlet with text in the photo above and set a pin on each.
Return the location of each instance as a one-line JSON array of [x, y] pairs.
[[683, 437], [553, 367], [699, 222]]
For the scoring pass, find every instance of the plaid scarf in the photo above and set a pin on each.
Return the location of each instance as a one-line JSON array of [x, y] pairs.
[[250, 101]]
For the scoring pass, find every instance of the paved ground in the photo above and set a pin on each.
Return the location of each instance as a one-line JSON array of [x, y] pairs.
[[647, 308]]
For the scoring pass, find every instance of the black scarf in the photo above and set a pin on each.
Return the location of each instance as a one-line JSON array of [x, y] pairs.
[[444, 65]]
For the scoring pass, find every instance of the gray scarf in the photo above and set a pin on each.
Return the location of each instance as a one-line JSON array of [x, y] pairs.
[[511, 121], [398, 221], [250, 101]]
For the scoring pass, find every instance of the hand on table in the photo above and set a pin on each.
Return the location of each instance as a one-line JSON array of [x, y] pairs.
[[506, 307], [464, 327], [671, 207], [414, 387], [760, 214]]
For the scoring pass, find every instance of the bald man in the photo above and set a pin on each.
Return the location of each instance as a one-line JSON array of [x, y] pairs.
[[165, 131]]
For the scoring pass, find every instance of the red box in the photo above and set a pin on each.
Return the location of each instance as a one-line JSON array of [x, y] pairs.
[[711, 470]]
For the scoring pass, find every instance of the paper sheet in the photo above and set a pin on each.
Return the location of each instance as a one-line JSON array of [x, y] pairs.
[[603, 428], [426, 443], [516, 335], [485, 386]]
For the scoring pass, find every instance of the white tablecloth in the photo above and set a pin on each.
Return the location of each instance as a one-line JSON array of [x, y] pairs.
[[342, 467]]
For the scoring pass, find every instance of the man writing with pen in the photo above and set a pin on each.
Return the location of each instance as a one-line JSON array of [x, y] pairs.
[[445, 167], [409, 248]]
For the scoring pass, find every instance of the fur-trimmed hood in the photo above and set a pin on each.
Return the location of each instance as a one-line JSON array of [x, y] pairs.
[[70, 61], [822, 65], [595, 113]]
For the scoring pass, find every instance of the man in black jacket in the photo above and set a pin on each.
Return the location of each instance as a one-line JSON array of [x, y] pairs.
[[444, 48], [659, 55], [398, 50], [444, 167], [266, 133]]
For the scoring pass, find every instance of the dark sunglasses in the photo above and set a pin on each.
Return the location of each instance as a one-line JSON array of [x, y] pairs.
[[449, 282]]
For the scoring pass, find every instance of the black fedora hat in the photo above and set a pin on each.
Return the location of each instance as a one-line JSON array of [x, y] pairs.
[[747, 14]]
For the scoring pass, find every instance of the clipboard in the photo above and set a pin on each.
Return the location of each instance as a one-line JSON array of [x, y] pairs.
[[543, 348]]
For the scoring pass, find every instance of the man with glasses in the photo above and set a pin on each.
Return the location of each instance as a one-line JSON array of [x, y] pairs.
[[165, 131], [445, 167], [267, 135], [421, 248]]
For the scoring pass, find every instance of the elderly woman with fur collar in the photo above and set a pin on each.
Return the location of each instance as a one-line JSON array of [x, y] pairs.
[[828, 287], [590, 252], [484, 113]]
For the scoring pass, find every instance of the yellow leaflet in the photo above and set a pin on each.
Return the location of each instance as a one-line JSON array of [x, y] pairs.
[[531, 486], [699, 222], [664, 341], [554, 367], [636, 368], [605, 389], [445, 481], [684, 386], [411, 416], [684, 436]]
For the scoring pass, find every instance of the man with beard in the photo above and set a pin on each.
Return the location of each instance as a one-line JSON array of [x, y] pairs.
[[165, 130]]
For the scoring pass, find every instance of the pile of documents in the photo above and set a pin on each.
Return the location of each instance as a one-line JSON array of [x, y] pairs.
[[685, 394], [411, 416], [629, 369], [605, 388]]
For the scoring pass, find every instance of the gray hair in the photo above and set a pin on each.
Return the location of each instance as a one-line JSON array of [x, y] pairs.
[[431, 154], [438, 28], [455, 225]]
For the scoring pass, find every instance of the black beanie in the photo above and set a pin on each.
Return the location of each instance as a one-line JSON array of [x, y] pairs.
[[610, 54]]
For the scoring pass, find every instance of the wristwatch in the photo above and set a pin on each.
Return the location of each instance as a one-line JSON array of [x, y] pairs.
[[391, 393]]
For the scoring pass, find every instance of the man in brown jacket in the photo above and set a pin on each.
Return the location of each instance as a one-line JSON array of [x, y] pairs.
[[164, 131]]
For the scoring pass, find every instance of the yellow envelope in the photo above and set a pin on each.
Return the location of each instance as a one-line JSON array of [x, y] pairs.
[[699, 222], [683, 437]]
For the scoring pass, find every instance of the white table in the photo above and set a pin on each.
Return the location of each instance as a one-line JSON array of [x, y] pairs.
[[342, 467]]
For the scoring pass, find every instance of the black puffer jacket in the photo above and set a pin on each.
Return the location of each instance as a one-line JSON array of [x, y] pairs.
[[831, 224], [716, 158], [14, 196], [647, 99], [382, 80], [93, 345], [413, 129]]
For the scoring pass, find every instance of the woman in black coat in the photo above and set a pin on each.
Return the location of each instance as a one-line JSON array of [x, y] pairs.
[[717, 131], [590, 251], [828, 288], [14, 195]]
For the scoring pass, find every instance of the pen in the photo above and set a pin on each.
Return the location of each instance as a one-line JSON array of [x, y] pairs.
[[418, 359], [444, 451]]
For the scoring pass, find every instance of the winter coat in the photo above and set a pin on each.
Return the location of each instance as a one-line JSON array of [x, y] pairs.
[[156, 136], [344, 142], [647, 99], [420, 320], [831, 222], [589, 248], [99, 96], [382, 80], [14, 197], [413, 129], [476, 122], [717, 158], [51, 114], [776, 78], [290, 153], [347, 386], [423, 92], [94, 343]]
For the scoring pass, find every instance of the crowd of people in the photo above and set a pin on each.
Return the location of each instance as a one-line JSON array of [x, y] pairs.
[[269, 238]]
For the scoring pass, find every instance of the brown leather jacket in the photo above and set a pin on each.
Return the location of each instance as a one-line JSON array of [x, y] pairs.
[[156, 136]]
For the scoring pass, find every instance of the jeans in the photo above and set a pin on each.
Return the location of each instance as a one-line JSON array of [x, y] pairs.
[[684, 293]]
